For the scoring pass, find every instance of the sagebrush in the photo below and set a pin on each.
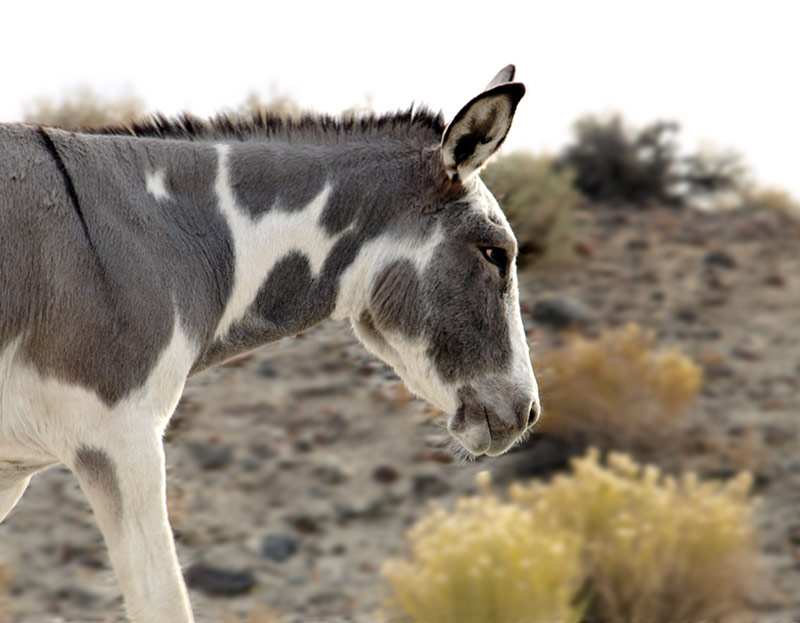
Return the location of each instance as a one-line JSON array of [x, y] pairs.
[[486, 562], [616, 391], [654, 548], [615, 543]]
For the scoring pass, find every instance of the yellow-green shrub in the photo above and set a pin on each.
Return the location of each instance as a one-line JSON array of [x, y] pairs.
[[538, 201], [617, 390], [653, 548], [486, 562], [615, 544]]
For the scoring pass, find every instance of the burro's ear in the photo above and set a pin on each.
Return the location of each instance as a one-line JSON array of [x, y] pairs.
[[479, 129], [504, 75]]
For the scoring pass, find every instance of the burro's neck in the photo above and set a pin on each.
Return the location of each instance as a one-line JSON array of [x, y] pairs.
[[308, 231]]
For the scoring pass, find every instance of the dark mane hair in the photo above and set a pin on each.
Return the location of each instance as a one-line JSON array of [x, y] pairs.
[[419, 123]]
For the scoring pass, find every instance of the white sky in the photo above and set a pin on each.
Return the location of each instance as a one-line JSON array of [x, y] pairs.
[[728, 71]]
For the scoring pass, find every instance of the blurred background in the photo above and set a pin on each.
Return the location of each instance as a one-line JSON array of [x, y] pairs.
[[651, 180]]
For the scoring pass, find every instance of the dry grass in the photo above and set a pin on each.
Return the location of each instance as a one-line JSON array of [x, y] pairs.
[[617, 390]]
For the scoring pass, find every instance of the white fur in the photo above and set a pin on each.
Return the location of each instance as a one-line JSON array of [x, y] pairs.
[[258, 245], [44, 420], [372, 258], [156, 184]]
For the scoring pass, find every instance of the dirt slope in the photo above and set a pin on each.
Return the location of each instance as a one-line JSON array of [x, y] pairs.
[[297, 469]]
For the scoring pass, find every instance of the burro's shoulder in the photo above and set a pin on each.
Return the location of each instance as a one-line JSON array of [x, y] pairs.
[[19, 141]]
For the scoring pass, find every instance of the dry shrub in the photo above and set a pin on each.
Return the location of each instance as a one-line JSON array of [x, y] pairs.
[[769, 198], [617, 391], [653, 548], [486, 562], [538, 201], [276, 105], [615, 544], [82, 108]]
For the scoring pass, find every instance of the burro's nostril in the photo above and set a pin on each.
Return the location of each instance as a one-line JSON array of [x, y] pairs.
[[534, 414]]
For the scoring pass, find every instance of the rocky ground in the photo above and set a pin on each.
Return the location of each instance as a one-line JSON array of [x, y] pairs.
[[294, 471]]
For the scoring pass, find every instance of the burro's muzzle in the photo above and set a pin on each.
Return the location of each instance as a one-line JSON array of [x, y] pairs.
[[490, 422], [495, 410]]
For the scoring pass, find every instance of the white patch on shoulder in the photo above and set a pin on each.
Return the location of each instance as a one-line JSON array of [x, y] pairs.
[[260, 244], [156, 184]]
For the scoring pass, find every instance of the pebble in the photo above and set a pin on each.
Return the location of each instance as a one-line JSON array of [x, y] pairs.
[[268, 370], [385, 474], [686, 314], [361, 508], [330, 473], [279, 547], [721, 258], [304, 522], [775, 280], [745, 354], [429, 485], [218, 582], [211, 455], [561, 312]]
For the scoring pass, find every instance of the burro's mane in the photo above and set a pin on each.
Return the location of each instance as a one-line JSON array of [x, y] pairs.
[[414, 123]]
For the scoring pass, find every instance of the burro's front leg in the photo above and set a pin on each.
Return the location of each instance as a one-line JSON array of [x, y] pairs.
[[123, 476]]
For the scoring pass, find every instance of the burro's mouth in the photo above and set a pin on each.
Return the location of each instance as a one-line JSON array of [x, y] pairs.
[[484, 429]]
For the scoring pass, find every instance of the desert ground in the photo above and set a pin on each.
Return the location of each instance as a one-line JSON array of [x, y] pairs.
[[295, 470]]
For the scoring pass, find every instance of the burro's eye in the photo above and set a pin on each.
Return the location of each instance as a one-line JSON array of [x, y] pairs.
[[496, 256]]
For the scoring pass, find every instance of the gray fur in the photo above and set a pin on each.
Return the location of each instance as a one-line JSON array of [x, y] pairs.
[[98, 471], [99, 314], [110, 238], [99, 311]]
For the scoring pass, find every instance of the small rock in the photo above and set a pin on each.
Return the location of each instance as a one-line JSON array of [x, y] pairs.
[[775, 280], [219, 582], [268, 370], [561, 312], [361, 508], [686, 314], [330, 473], [77, 596], [303, 446], [638, 244], [429, 485], [721, 258], [385, 474], [745, 354], [331, 601], [583, 248], [304, 523], [279, 547], [211, 455]]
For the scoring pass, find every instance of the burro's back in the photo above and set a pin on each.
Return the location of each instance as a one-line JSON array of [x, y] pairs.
[[131, 258]]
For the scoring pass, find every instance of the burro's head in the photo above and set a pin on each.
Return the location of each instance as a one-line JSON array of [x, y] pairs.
[[442, 305]]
